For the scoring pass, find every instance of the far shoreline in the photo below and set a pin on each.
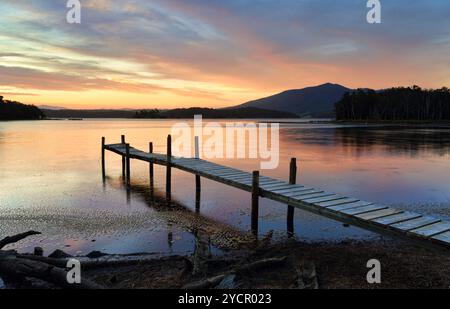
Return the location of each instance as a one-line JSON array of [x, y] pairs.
[[419, 123]]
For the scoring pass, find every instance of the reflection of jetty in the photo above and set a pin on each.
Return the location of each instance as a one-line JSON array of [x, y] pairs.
[[423, 230], [221, 235]]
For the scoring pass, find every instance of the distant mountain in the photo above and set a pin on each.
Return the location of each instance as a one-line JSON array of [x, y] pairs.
[[316, 101], [51, 107]]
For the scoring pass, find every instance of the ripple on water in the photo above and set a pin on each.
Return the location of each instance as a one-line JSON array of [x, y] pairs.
[[61, 226]]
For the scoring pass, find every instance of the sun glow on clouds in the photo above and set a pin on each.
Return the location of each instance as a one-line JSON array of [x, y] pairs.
[[172, 53]]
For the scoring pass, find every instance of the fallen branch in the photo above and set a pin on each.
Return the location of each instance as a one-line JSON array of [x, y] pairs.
[[103, 262], [16, 238], [266, 263], [214, 281]]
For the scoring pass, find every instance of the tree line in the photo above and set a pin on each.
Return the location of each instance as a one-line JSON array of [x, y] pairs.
[[211, 113], [402, 103], [11, 110]]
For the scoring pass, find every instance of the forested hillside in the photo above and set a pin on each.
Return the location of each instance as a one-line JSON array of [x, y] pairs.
[[412, 103], [10, 110]]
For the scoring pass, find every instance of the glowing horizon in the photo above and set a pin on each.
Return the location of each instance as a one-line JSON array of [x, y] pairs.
[[174, 53]]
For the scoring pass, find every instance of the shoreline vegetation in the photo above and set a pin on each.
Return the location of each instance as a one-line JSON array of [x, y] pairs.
[[179, 113], [412, 104], [239, 113], [11, 110]]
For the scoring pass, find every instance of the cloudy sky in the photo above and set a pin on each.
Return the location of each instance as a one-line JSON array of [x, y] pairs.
[[170, 53]]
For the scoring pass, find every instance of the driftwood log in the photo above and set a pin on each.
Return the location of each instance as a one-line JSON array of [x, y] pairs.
[[14, 267], [102, 262], [17, 268]]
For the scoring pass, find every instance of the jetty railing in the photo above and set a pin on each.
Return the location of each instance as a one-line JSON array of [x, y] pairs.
[[422, 230]]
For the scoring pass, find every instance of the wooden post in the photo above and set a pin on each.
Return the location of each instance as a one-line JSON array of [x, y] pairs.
[[123, 158], [151, 172], [103, 158], [197, 177], [127, 147], [170, 236], [197, 147], [128, 189], [292, 181], [255, 202], [198, 190], [169, 170]]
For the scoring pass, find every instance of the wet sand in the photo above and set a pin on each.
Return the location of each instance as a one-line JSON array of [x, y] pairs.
[[338, 266]]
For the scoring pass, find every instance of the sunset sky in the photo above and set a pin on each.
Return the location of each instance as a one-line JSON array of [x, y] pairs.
[[180, 53]]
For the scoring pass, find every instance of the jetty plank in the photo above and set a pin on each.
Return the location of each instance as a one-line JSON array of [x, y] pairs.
[[379, 214], [416, 223], [339, 201], [401, 217], [350, 206], [364, 209], [434, 229]]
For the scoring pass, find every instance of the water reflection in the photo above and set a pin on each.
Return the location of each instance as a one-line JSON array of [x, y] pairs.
[[221, 236], [401, 140], [193, 221]]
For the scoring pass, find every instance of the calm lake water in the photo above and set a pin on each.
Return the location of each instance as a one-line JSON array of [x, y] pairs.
[[50, 181]]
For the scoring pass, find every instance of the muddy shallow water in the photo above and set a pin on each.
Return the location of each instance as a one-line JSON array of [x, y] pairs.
[[50, 181]]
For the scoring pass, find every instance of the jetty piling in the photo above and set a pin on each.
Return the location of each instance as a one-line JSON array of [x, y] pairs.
[[169, 170], [198, 184], [291, 209], [122, 138], [128, 169], [103, 158], [151, 172], [255, 202], [198, 191]]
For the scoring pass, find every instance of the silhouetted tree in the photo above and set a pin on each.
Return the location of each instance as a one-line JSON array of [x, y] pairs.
[[243, 112], [148, 114]]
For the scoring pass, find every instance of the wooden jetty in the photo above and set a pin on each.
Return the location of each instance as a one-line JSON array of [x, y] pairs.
[[422, 230]]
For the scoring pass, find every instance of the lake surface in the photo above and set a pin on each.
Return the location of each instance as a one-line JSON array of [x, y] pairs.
[[50, 181]]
